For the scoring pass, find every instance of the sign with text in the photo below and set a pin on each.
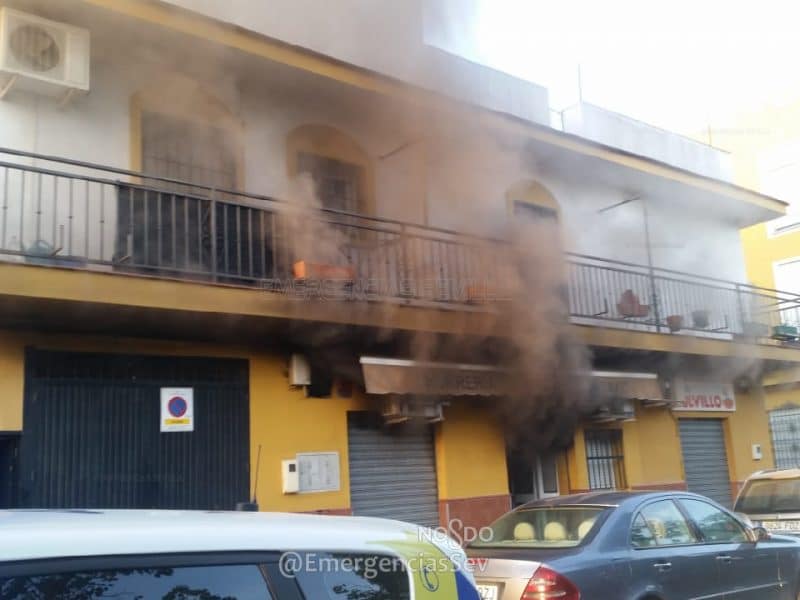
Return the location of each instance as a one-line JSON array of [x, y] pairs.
[[177, 409], [704, 396], [318, 472]]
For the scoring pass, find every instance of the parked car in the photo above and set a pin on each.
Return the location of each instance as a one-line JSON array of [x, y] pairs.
[[771, 499], [174, 555], [632, 546]]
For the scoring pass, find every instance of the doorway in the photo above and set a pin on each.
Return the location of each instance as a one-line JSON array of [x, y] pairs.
[[532, 477]]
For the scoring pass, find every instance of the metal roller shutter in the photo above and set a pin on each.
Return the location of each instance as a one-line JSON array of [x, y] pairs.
[[785, 426], [392, 470], [92, 438], [705, 459]]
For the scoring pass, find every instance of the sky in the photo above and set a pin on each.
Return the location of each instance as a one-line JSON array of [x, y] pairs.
[[683, 65]]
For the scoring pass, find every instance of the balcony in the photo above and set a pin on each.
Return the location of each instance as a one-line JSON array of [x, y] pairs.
[[91, 218]]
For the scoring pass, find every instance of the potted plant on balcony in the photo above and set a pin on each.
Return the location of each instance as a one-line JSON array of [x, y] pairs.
[[701, 318], [675, 323], [785, 332]]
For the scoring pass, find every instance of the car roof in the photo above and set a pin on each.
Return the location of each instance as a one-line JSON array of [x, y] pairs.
[[776, 474], [38, 534]]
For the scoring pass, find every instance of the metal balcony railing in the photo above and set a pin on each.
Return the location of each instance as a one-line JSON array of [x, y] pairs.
[[83, 215]]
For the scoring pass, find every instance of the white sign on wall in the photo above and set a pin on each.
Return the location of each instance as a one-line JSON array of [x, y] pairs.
[[177, 409], [318, 472], [704, 396]]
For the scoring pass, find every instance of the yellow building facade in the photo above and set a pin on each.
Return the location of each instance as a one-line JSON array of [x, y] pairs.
[[174, 255]]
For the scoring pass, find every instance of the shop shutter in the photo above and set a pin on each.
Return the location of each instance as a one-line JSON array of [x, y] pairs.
[[705, 460], [392, 470], [785, 427], [92, 438]]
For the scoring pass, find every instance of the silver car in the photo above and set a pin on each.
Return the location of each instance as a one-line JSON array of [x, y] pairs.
[[771, 499], [632, 546]]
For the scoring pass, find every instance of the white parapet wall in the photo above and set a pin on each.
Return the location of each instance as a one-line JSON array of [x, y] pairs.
[[619, 131]]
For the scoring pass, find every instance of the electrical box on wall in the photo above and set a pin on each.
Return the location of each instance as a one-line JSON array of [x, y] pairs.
[[299, 370], [757, 454], [290, 476]]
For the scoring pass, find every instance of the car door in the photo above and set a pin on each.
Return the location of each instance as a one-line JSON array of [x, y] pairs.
[[667, 557], [748, 570]]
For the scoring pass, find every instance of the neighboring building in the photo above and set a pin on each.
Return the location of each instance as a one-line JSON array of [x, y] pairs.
[[765, 148], [143, 289]]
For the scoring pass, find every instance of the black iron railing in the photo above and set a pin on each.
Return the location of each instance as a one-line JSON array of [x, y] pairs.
[[84, 215]]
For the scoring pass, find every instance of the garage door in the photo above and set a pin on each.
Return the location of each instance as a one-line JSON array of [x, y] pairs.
[[392, 470], [785, 426], [92, 435], [705, 459]]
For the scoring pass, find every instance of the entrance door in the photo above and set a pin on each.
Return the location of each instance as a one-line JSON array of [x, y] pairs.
[[705, 459], [92, 434], [532, 478], [392, 470]]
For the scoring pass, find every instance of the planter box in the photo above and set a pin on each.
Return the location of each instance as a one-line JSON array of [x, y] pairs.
[[675, 322], [309, 270], [785, 333]]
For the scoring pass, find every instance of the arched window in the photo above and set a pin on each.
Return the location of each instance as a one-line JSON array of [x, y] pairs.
[[340, 168], [183, 132], [530, 200]]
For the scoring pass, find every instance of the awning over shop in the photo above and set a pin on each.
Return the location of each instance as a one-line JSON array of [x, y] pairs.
[[621, 385], [401, 376]]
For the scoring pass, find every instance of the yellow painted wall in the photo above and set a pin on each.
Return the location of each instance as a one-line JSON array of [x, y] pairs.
[[470, 449], [782, 396], [470, 453], [748, 426], [284, 422], [12, 379], [652, 446]]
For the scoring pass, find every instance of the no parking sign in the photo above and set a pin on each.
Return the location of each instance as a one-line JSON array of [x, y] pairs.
[[177, 409]]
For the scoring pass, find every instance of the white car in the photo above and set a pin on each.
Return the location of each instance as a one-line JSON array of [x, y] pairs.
[[182, 555]]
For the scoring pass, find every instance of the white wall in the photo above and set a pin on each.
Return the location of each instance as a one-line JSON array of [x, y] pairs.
[[466, 176], [386, 37], [636, 137]]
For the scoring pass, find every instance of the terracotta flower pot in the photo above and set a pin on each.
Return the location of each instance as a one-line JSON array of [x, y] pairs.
[[675, 322]]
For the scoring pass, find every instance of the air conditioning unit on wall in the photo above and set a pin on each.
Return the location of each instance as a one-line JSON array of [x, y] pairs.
[[399, 410], [42, 56]]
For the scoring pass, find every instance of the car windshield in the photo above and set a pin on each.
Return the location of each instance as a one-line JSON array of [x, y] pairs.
[[762, 496], [562, 527]]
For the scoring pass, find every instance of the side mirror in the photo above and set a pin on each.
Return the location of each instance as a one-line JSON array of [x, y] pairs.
[[759, 534]]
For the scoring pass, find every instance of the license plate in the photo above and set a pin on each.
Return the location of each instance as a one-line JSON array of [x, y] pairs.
[[781, 525], [487, 592]]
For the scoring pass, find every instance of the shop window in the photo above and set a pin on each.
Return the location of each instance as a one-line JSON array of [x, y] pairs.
[[605, 459]]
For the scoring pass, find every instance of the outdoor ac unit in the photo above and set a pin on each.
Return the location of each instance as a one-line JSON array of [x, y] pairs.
[[42, 56], [616, 410], [399, 410]]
